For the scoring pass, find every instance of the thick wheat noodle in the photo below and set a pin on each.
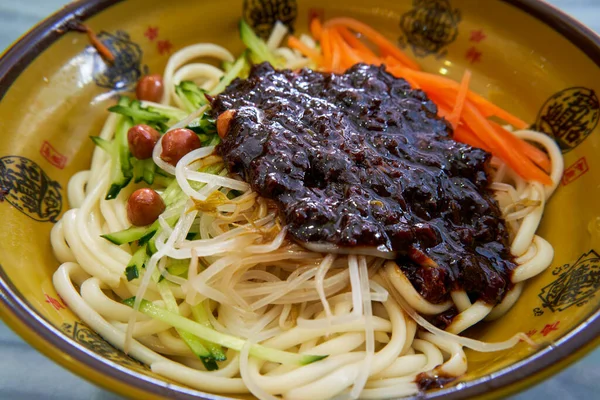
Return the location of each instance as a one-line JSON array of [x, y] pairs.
[[263, 287]]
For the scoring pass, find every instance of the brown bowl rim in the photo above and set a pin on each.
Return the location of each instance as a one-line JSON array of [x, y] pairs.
[[19, 313]]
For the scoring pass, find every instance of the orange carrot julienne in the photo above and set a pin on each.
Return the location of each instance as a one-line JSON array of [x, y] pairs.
[[374, 36], [465, 110], [336, 56], [295, 43], [436, 82], [355, 43], [347, 55], [536, 155], [397, 72], [326, 49], [316, 28], [465, 135], [98, 45], [501, 147], [454, 117]]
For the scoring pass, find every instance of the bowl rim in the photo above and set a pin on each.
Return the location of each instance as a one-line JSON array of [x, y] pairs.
[[20, 315]]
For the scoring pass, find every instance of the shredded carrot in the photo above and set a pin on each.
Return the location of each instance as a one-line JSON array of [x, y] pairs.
[[465, 135], [502, 148], [377, 38], [539, 157], [99, 46], [437, 82], [326, 48], [336, 52], [397, 71], [295, 43], [465, 110], [454, 117], [316, 28], [354, 42]]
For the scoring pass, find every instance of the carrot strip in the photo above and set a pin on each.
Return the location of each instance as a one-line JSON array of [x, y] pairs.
[[434, 82], [354, 42], [397, 71], [501, 148], [454, 117], [348, 56], [326, 49], [295, 43], [539, 157], [315, 28], [98, 45], [374, 36], [335, 52], [465, 135]]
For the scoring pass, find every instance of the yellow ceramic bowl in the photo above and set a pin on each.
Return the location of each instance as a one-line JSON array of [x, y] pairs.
[[526, 56]]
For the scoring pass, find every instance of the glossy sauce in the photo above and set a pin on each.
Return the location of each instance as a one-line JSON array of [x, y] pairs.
[[360, 162]]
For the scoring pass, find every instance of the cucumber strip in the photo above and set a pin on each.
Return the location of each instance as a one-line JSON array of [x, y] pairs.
[[149, 171], [233, 73], [138, 113], [199, 313], [138, 170], [121, 170], [193, 342], [104, 144], [143, 170], [137, 262], [231, 342], [259, 52], [203, 126], [192, 96], [141, 233], [177, 267]]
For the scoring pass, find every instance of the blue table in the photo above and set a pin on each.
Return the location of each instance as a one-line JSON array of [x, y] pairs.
[[26, 374]]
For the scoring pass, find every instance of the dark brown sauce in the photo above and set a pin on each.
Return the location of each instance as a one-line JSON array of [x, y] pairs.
[[425, 381], [361, 161]]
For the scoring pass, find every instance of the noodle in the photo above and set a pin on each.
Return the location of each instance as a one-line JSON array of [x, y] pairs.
[[239, 275]]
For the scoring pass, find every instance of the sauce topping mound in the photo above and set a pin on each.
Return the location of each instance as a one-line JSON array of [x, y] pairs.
[[360, 163]]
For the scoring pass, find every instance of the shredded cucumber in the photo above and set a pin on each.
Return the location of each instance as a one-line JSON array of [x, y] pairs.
[[225, 340]]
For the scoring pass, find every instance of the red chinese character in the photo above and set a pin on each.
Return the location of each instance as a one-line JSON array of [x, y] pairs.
[[576, 170], [473, 55], [477, 36], [164, 46], [54, 303], [549, 328], [151, 33], [531, 332], [53, 156]]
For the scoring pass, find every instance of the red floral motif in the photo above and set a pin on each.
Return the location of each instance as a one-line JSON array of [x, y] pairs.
[[576, 170], [151, 33], [549, 328], [477, 36], [164, 46], [54, 302], [53, 156], [473, 55]]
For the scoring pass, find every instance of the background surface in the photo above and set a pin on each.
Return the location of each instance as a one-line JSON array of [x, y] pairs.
[[26, 374]]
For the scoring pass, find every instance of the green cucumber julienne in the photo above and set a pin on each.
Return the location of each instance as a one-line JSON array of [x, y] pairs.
[[231, 342], [195, 344], [259, 52]]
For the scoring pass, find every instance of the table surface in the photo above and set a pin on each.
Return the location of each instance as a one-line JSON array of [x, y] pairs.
[[26, 374]]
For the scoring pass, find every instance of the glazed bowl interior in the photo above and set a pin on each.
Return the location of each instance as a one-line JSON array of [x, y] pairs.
[[524, 57]]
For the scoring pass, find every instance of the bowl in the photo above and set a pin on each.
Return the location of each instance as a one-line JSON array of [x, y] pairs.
[[525, 56]]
